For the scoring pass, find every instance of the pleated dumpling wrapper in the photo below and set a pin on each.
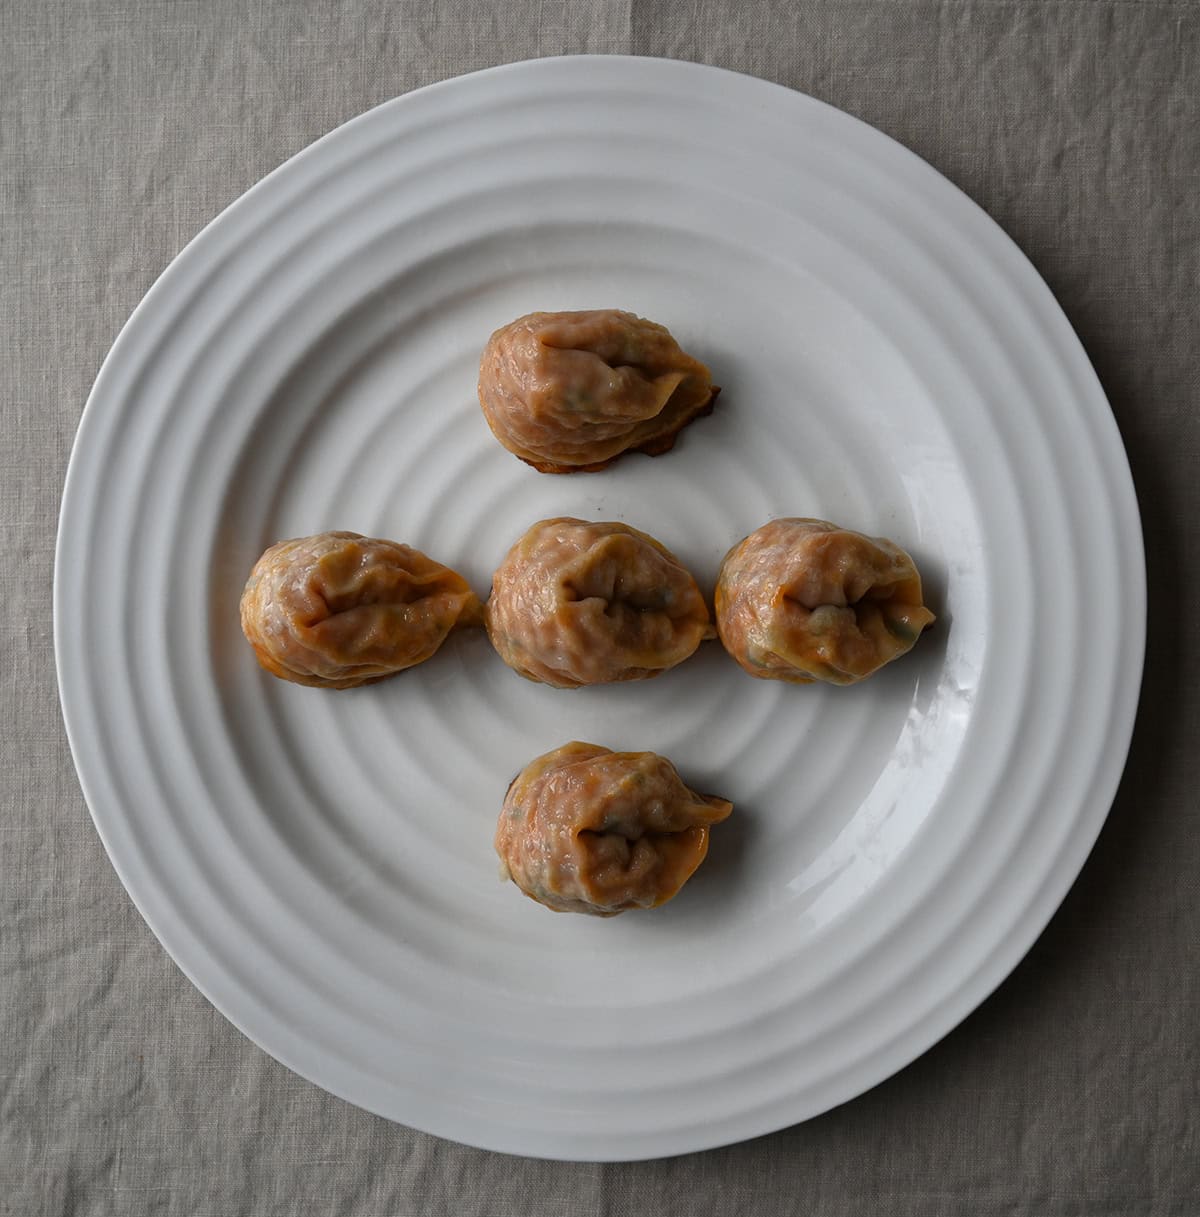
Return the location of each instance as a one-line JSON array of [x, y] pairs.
[[578, 603], [804, 600], [570, 392], [587, 830], [338, 609]]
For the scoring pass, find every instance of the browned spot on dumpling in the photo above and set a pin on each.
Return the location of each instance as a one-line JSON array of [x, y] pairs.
[[803, 600], [338, 609], [584, 829], [577, 603], [570, 392]]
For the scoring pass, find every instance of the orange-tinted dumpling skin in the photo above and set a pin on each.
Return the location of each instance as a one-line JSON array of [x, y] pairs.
[[570, 392], [803, 600], [584, 829], [338, 609], [585, 603]]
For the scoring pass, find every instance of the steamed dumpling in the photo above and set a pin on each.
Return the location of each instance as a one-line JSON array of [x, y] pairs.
[[587, 830], [803, 600], [570, 392], [576, 603], [339, 609]]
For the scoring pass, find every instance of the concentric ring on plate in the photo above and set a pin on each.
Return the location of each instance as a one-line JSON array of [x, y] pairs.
[[875, 892]]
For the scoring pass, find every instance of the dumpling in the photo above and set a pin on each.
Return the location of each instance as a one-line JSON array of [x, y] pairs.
[[576, 604], [804, 600], [570, 392], [587, 830], [339, 609]]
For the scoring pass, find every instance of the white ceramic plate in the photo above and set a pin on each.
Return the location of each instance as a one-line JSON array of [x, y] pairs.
[[320, 864]]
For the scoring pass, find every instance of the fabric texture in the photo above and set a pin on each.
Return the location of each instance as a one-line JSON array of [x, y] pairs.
[[124, 127]]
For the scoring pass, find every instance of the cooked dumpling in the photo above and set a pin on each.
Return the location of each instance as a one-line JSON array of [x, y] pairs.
[[575, 604], [587, 830], [804, 600], [339, 609], [569, 392]]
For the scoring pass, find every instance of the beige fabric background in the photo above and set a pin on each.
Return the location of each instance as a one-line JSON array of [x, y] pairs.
[[124, 127]]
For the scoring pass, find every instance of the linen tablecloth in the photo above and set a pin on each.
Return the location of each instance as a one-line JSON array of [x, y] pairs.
[[124, 127]]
